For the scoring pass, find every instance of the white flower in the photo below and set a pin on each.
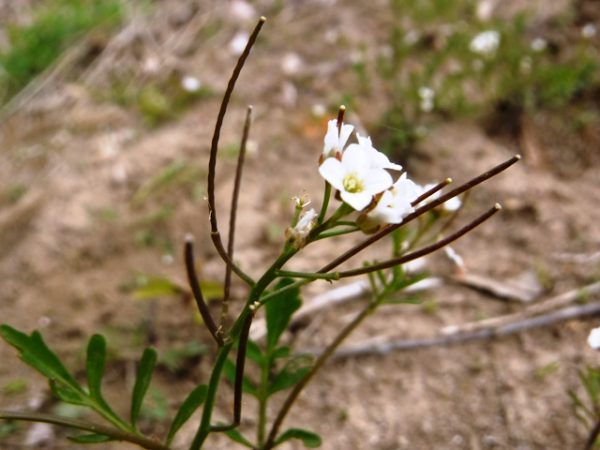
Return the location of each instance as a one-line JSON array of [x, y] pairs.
[[485, 43], [427, 96], [238, 43], [356, 176], [395, 203], [335, 138], [300, 232], [377, 159], [588, 31], [190, 84], [539, 44], [450, 205], [594, 338]]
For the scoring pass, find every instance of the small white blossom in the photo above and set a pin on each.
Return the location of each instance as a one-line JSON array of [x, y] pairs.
[[539, 44], [238, 43], [594, 338], [450, 205], [485, 43], [395, 203], [190, 84], [300, 232], [356, 176], [427, 96], [335, 138], [588, 31], [377, 159]]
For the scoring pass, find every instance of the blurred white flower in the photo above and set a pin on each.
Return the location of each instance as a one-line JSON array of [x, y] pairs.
[[190, 84], [451, 205], [411, 37], [427, 96], [485, 43], [355, 176], [377, 159], [588, 31], [291, 64], [318, 110], [238, 43], [242, 10], [539, 44], [594, 338], [336, 138], [395, 203]]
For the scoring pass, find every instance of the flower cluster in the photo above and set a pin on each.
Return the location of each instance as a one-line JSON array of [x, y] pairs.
[[361, 175]]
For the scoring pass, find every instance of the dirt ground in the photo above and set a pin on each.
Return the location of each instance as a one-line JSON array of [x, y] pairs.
[[75, 239]]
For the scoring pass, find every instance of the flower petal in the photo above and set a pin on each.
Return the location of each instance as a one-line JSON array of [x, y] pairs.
[[358, 201], [333, 172]]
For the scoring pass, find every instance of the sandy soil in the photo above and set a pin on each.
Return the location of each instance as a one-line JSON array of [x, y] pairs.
[[71, 243]]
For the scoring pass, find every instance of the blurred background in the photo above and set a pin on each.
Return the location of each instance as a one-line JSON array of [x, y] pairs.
[[106, 113]]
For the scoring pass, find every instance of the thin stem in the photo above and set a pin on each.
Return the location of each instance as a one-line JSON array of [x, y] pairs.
[[593, 437], [425, 195], [197, 291], [308, 275], [322, 359], [233, 215], [114, 433], [212, 162], [425, 250], [420, 211], [204, 429], [334, 233], [239, 370], [325, 205]]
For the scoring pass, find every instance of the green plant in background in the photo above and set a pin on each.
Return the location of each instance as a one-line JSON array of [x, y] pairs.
[[443, 60], [56, 24], [372, 202]]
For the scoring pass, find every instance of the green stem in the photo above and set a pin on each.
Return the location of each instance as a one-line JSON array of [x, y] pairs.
[[209, 403], [234, 335], [263, 395], [334, 233], [322, 359], [116, 434], [326, 197]]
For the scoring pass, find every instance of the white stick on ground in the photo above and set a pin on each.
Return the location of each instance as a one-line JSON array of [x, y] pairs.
[[383, 348]]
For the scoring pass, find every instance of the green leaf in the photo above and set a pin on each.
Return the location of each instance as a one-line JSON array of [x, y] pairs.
[[90, 438], [281, 352], [236, 436], [35, 353], [254, 353], [68, 394], [144, 375], [310, 439], [95, 363], [153, 287], [247, 385], [293, 371], [190, 404], [279, 312]]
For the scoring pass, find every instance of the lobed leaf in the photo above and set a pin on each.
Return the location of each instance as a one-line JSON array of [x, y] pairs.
[[142, 382], [34, 352], [187, 408], [308, 438]]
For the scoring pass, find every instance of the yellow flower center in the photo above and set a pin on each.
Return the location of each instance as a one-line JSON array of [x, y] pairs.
[[352, 183]]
